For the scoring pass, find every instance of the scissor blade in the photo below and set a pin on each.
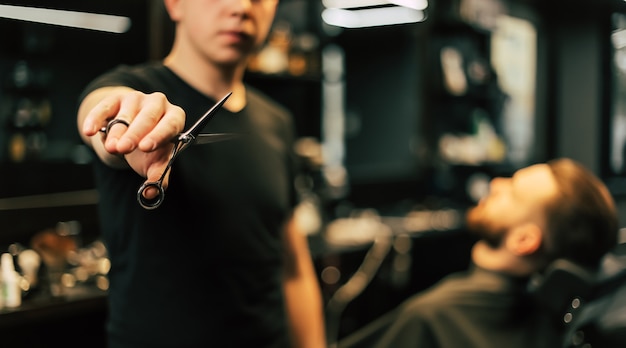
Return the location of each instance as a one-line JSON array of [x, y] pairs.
[[202, 121], [214, 137]]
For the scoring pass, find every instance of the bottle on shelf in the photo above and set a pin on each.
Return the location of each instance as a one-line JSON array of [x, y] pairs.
[[11, 290]]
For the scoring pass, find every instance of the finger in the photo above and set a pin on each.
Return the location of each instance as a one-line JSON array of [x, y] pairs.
[[150, 165], [151, 192], [170, 124], [118, 111], [99, 107], [154, 173], [112, 136], [125, 139], [114, 122], [147, 117], [99, 115]]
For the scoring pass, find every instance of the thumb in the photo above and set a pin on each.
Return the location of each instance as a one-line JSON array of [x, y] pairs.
[[157, 180], [152, 193], [155, 167]]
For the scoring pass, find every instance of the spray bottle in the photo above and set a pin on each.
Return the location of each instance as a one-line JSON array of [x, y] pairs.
[[11, 291]]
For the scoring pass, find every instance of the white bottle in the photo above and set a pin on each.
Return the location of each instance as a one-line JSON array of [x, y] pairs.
[[29, 262], [11, 290]]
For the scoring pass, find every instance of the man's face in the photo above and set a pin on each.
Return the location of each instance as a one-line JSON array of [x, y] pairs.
[[224, 31], [512, 202]]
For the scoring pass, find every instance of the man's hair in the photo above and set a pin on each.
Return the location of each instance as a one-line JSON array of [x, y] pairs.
[[582, 221]]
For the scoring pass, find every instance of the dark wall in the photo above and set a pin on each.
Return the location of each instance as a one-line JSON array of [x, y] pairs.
[[47, 66], [60, 61]]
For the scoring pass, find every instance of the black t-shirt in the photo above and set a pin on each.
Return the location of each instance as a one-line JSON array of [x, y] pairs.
[[203, 269]]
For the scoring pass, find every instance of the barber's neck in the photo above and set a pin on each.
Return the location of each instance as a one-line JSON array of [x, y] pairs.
[[210, 80], [501, 260]]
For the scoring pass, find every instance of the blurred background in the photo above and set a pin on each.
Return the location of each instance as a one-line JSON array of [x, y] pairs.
[[405, 109]]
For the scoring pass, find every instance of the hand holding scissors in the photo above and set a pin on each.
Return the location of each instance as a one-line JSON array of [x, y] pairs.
[[181, 142]]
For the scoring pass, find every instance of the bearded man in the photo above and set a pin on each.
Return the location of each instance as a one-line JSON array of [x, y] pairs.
[[544, 212]]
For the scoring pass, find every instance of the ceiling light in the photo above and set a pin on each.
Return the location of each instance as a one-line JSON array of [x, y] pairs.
[[371, 17], [74, 19], [345, 4]]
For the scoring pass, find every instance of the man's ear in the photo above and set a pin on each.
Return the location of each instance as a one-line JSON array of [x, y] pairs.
[[172, 7], [524, 240]]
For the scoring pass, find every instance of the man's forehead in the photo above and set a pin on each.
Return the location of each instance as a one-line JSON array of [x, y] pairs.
[[536, 180]]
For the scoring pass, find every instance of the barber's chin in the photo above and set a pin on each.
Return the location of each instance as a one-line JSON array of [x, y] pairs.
[[490, 236], [231, 56]]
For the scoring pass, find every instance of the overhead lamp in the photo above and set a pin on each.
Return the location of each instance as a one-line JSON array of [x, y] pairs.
[[414, 4], [352, 3], [347, 4], [74, 19], [371, 17]]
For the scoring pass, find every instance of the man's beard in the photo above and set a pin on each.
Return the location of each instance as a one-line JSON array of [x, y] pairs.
[[479, 226]]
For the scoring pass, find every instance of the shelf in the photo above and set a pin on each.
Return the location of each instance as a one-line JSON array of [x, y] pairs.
[[38, 178]]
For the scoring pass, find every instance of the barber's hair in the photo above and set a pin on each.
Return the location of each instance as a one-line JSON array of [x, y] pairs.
[[582, 221]]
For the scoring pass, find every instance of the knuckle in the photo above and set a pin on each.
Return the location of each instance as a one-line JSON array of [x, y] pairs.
[[106, 108], [158, 97], [131, 97], [178, 111], [152, 115]]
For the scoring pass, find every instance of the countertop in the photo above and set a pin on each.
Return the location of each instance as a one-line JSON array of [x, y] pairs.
[[75, 319]]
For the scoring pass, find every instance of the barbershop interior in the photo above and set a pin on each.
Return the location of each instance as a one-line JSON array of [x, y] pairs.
[[404, 112]]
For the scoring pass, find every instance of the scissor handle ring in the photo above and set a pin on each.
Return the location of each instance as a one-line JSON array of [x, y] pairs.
[[154, 202], [112, 123]]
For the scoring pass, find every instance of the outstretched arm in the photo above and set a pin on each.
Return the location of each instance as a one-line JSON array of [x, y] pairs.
[[145, 144]]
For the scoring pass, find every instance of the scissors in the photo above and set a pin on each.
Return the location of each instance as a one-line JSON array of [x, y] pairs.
[[181, 142]]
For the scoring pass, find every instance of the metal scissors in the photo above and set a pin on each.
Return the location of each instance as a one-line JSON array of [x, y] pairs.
[[181, 142]]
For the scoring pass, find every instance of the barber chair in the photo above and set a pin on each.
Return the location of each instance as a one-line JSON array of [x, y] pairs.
[[590, 306], [391, 239], [600, 321]]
